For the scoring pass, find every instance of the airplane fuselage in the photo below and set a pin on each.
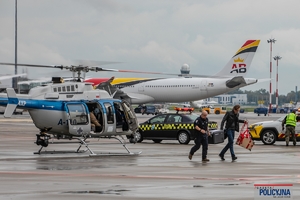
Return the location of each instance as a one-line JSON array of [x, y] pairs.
[[179, 89]]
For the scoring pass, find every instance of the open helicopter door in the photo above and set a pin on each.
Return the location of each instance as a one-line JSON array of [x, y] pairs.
[[130, 116], [78, 118]]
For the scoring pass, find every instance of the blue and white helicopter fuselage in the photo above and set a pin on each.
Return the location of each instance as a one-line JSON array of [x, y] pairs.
[[63, 110]]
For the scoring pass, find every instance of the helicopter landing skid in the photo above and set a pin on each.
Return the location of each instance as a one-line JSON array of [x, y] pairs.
[[57, 152], [82, 142]]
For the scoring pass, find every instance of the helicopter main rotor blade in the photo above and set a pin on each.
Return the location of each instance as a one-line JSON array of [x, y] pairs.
[[30, 65], [96, 69], [83, 68]]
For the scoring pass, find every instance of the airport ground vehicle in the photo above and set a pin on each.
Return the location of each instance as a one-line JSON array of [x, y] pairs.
[[261, 110], [146, 110], [270, 131], [184, 109], [215, 110], [171, 126], [163, 110]]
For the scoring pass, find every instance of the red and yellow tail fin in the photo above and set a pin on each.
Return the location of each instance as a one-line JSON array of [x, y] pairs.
[[240, 63]]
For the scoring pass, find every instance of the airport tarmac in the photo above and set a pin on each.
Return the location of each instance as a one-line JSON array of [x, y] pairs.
[[161, 171]]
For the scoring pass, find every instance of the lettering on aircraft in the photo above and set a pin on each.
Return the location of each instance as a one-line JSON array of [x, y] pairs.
[[65, 122], [22, 103], [239, 68]]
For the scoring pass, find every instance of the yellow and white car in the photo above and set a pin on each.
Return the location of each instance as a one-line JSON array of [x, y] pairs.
[[271, 131]]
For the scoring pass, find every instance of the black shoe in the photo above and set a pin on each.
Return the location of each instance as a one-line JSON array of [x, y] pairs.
[[190, 156], [294, 143], [222, 157], [287, 144], [234, 158], [205, 160]]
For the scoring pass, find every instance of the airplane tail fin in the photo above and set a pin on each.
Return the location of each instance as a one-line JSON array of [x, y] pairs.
[[240, 63]]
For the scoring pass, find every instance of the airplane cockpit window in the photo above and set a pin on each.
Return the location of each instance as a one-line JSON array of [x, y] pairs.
[[109, 113]]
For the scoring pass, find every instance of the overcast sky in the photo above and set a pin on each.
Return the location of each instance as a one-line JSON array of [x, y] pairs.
[[156, 35]]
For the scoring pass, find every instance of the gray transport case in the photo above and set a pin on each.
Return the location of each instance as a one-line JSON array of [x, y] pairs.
[[216, 137]]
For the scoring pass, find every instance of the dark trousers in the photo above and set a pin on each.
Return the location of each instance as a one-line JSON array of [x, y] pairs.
[[290, 130], [229, 145], [200, 140]]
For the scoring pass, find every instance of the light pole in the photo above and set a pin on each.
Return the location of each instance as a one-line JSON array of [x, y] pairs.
[[14, 80], [277, 58], [270, 100]]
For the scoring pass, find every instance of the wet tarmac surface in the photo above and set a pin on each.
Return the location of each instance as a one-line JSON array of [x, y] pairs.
[[161, 171]]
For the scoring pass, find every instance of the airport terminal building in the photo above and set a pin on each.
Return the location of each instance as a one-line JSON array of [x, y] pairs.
[[229, 99]]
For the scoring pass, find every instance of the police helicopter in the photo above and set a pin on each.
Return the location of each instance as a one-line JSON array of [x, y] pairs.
[[65, 110]]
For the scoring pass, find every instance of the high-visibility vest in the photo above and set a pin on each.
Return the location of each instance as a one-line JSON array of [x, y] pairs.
[[291, 119]]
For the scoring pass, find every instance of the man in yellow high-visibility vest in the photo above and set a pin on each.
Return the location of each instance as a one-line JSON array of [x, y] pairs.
[[290, 122]]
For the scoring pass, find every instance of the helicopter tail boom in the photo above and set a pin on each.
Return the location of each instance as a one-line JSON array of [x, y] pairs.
[[12, 102]]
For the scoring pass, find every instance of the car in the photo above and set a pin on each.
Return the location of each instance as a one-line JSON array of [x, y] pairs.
[[184, 109], [163, 110], [146, 110], [170, 126], [271, 131], [261, 110]]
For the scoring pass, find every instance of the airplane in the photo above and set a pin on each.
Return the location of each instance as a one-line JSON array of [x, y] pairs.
[[184, 89], [61, 110]]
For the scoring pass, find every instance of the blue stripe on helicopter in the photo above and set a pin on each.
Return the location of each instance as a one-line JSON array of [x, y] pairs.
[[48, 104], [13, 101]]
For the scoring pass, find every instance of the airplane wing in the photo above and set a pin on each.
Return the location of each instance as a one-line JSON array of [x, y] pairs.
[[107, 86], [115, 92], [11, 76]]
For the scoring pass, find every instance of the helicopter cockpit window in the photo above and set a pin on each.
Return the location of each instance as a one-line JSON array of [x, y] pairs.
[[109, 113], [78, 114]]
